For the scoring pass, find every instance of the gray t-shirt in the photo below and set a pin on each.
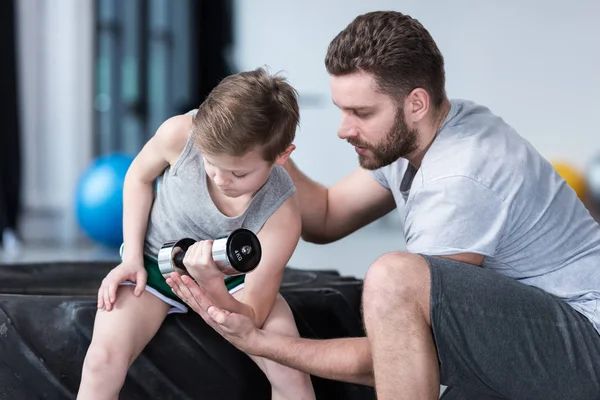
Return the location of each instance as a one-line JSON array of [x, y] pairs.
[[483, 189]]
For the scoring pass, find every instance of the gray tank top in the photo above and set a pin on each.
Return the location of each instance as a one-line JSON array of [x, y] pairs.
[[183, 208]]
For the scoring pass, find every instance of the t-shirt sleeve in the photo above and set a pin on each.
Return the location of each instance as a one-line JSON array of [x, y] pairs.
[[455, 215], [380, 177]]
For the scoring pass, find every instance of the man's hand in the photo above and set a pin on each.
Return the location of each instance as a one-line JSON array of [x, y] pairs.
[[238, 329]]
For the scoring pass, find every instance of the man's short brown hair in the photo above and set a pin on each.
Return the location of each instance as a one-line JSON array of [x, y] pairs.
[[245, 111], [396, 49]]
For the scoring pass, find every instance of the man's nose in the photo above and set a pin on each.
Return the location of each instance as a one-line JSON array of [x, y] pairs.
[[346, 129]]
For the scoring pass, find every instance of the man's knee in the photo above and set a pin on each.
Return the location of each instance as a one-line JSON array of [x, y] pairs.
[[395, 279]]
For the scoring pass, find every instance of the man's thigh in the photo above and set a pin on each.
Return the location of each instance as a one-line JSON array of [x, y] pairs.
[[499, 337]]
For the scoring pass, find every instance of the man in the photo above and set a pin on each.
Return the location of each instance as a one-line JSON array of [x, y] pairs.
[[498, 292]]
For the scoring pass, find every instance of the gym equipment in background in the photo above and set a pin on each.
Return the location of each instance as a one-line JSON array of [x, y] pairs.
[[47, 316], [573, 176], [593, 181], [236, 254], [99, 199]]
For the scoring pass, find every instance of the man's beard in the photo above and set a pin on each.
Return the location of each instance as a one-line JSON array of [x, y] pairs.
[[399, 142]]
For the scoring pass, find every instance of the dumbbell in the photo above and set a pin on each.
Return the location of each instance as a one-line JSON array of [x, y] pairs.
[[236, 254]]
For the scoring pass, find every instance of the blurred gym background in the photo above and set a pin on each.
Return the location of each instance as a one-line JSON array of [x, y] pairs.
[[87, 82]]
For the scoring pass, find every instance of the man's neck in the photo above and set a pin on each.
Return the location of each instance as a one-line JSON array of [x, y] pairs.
[[427, 133]]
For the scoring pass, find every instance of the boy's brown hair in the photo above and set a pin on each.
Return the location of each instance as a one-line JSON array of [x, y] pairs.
[[248, 110]]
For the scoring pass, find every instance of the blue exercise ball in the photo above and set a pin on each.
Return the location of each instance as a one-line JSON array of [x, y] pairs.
[[99, 199]]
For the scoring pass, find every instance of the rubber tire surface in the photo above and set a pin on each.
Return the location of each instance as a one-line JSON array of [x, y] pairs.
[[46, 319]]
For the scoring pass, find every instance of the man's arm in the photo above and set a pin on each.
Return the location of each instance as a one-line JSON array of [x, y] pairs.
[[329, 214], [344, 359]]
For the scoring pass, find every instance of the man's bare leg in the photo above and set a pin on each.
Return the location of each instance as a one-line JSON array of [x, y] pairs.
[[396, 312]]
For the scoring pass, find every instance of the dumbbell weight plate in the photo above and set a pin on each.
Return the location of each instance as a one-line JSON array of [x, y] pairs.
[[237, 254], [167, 254]]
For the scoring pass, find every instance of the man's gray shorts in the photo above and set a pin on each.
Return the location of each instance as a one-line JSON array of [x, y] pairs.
[[500, 339]]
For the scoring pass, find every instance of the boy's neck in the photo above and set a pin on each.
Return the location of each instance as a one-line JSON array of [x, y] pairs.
[[228, 206]]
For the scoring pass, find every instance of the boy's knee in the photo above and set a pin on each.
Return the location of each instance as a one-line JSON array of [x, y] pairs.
[[281, 319], [281, 306], [104, 360]]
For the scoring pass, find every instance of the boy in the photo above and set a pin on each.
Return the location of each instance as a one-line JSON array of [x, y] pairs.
[[218, 169]]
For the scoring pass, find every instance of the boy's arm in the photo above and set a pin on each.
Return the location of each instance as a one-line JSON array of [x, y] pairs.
[[278, 238], [161, 150]]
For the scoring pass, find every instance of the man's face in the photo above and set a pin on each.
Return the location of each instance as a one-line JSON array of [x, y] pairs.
[[371, 121]]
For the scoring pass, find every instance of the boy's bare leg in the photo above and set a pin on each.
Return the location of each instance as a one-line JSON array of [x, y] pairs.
[[286, 383], [119, 337]]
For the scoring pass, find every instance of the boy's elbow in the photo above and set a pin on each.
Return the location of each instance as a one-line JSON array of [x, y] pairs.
[[259, 322], [367, 380], [314, 238], [257, 317]]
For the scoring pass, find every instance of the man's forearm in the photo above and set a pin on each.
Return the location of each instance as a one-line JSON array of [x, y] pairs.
[[313, 204], [344, 359]]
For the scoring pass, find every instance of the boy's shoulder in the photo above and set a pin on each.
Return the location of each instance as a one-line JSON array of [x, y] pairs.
[[281, 177], [177, 124], [173, 136]]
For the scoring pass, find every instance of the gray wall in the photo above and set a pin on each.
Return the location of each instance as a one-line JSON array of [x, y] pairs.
[[55, 56], [534, 63]]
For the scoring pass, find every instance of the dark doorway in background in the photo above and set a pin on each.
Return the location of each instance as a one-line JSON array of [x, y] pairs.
[[10, 148], [154, 59]]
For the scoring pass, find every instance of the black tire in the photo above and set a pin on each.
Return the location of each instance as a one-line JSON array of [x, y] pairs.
[[46, 319]]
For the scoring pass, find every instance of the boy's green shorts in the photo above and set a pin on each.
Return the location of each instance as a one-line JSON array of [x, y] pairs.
[[157, 285]]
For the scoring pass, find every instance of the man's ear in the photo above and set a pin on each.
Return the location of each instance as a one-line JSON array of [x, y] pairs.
[[283, 157], [417, 104]]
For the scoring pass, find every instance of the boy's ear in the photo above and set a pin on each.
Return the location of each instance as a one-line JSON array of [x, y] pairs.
[[283, 157]]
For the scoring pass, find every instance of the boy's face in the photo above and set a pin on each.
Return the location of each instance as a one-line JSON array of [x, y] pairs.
[[237, 176]]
